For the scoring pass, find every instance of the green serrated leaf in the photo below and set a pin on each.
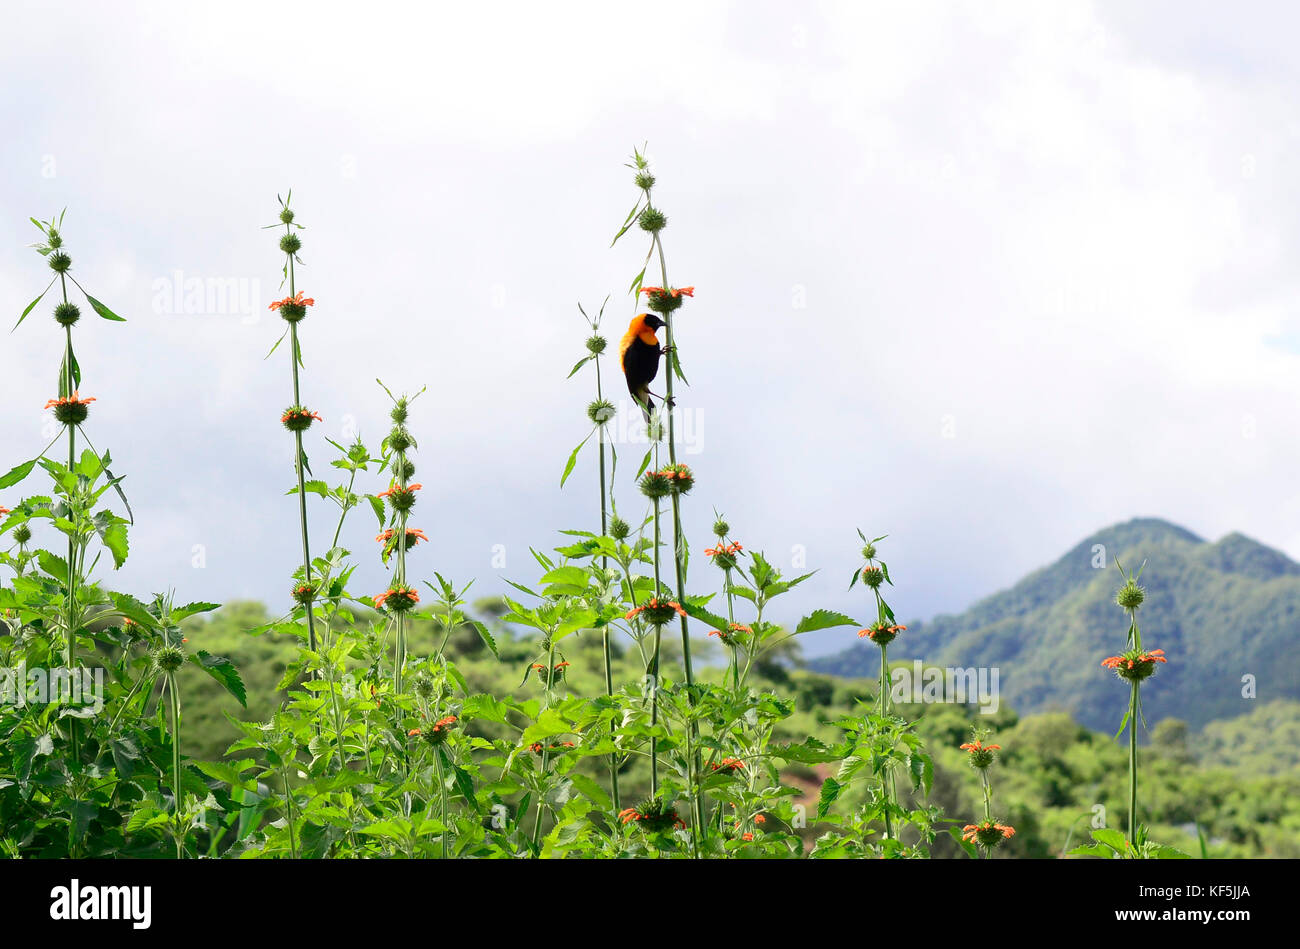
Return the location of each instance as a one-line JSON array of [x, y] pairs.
[[224, 672], [823, 619]]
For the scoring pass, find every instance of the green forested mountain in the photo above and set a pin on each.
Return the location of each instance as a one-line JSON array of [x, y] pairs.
[[1221, 611]]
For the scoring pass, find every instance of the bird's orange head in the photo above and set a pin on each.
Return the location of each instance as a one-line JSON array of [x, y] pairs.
[[643, 327]]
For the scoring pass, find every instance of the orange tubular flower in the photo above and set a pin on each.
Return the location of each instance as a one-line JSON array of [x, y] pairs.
[[729, 633], [413, 535], [981, 755], [403, 598], [1136, 664], [398, 489], [678, 292], [74, 399], [729, 765], [300, 414], [989, 833], [3, 510], [654, 816], [654, 605], [296, 300], [444, 723], [437, 733], [881, 633], [537, 747], [732, 549], [70, 409]]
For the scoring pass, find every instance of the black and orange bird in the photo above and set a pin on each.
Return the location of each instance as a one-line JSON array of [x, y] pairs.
[[639, 354]]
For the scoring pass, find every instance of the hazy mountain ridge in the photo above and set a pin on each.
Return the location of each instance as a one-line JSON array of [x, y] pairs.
[[1219, 610]]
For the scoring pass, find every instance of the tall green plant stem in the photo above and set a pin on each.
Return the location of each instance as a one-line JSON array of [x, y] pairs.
[[297, 461], [604, 567], [734, 661], [69, 382], [654, 673], [442, 800], [679, 545], [884, 712], [288, 803], [328, 639], [546, 752], [399, 655], [988, 804], [174, 715], [1133, 712]]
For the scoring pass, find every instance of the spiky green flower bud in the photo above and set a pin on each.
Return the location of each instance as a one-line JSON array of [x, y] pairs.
[[618, 528], [402, 498], [873, 577], [681, 476], [298, 418], [22, 533], [663, 302], [399, 439], [398, 599], [290, 243], [869, 552], [67, 314], [423, 686], [53, 239], [652, 220], [71, 413], [286, 216], [404, 469], [1130, 595], [600, 411], [721, 528], [596, 344], [656, 484], [436, 733], [59, 262], [653, 816], [399, 412], [657, 612], [167, 659], [645, 181]]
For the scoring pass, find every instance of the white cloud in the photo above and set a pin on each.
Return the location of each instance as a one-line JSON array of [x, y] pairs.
[[1051, 222]]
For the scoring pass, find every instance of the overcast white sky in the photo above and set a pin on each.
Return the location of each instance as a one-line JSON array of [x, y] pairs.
[[1062, 234]]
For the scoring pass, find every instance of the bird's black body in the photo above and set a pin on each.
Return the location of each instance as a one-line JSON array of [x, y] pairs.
[[639, 355]]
